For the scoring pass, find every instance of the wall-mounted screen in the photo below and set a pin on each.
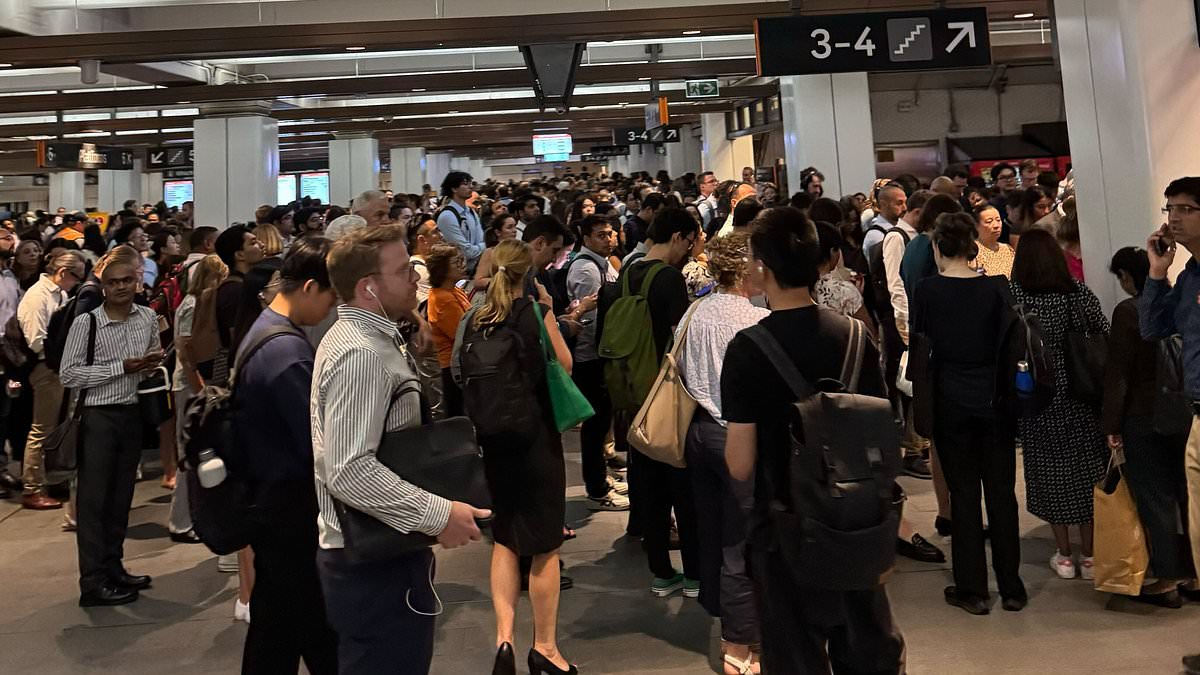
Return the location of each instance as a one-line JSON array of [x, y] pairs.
[[551, 144], [286, 189], [564, 157], [315, 185], [176, 192]]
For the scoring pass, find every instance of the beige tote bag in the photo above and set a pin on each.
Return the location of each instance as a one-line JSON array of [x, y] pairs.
[[659, 430]]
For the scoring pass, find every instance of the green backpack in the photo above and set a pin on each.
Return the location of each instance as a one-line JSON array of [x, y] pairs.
[[627, 345]]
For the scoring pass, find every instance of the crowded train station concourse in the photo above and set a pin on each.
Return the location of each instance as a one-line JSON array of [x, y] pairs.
[[803, 337]]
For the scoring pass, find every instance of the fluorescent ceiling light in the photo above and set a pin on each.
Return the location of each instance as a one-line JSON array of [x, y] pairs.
[[1023, 15], [339, 56], [691, 32], [355, 49], [667, 41], [27, 72]]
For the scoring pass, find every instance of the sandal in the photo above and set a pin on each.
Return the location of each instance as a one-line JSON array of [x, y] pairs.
[[740, 667], [568, 533]]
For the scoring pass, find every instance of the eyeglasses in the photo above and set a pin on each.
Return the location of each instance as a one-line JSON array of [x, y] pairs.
[[1006, 176], [1181, 209]]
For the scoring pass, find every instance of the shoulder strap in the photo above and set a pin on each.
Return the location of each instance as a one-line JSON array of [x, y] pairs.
[[456, 350], [271, 333], [687, 321], [783, 363], [901, 231], [852, 364], [655, 268], [91, 359]]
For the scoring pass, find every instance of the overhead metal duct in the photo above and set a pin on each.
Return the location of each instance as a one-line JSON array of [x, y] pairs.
[[552, 67]]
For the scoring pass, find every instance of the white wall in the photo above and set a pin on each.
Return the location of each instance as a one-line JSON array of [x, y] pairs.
[[978, 112]]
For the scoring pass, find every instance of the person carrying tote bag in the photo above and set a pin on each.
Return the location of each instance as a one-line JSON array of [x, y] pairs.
[[659, 429]]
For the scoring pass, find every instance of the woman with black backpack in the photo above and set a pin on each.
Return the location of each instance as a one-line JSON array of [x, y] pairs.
[[525, 471]]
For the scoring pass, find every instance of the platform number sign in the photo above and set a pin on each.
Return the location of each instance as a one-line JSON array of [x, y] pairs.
[[838, 43], [668, 133]]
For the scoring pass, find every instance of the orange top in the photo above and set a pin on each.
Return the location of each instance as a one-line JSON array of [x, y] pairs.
[[68, 233], [445, 309]]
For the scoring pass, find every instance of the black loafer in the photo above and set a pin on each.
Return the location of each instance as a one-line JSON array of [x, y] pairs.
[[188, 537], [10, 482], [968, 603], [942, 525], [917, 467], [135, 582], [1170, 599], [920, 549], [107, 596], [1014, 603]]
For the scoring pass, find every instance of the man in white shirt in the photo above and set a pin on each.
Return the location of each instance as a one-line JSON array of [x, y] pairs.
[[586, 274], [707, 202], [63, 273], [892, 203]]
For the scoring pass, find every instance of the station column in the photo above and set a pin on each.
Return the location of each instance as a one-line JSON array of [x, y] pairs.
[[408, 170], [1130, 84], [237, 167], [437, 165], [114, 187], [353, 167], [723, 156], [66, 190], [827, 125]]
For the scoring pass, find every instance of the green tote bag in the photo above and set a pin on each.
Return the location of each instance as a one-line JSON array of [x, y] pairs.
[[570, 405]]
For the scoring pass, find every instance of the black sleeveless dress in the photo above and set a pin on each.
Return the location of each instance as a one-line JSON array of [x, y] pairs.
[[528, 481]]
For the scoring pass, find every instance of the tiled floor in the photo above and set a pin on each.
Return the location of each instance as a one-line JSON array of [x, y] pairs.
[[609, 622]]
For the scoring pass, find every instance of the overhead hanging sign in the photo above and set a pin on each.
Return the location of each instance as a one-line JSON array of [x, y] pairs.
[[171, 155], [702, 88], [82, 156], [634, 136], [841, 43]]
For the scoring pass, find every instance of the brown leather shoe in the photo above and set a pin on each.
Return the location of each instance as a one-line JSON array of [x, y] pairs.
[[40, 501]]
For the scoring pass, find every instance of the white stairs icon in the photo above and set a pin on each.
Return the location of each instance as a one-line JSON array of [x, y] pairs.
[[912, 37]]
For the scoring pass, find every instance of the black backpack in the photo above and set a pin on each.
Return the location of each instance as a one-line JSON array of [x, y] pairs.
[[840, 530], [558, 284], [1026, 341], [878, 277], [223, 515], [60, 324], [497, 393]]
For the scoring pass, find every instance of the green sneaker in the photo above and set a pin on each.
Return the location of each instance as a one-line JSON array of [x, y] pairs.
[[691, 588], [666, 587]]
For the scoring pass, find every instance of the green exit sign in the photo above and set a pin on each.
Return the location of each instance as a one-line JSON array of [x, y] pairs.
[[702, 88]]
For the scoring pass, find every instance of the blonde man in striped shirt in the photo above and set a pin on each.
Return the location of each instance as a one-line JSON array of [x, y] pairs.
[[384, 612]]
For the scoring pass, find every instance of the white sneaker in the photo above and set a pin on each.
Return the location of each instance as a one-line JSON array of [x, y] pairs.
[[241, 611], [227, 564], [618, 486], [1087, 568], [1063, 565], [610, 502]]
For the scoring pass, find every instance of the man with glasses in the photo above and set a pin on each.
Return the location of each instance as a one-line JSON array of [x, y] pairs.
[[1165, 311], [63, 273], [707, 203], [125, 339], [1004, 177]]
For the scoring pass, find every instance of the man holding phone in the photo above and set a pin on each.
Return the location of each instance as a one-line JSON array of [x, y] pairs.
[[1165, 310], [126, 348]]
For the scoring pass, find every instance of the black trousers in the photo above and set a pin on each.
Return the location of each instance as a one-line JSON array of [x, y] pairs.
[[452, 396], [1154, 467], [382, 612], [659, 488], [977, 450], [589, 377], [108, 458], [808, 631], [722, 505], [289, 608]]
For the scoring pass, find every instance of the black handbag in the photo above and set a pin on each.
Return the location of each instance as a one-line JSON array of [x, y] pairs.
[[154, 397], [920, 373], [1084, 354], [60, 450], [441, 457]]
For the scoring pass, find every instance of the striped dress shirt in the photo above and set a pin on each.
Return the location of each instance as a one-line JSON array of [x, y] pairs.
[[106, 380], [360, 363]]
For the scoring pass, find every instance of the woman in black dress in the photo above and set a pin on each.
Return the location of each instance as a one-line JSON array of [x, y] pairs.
[[527, 480]]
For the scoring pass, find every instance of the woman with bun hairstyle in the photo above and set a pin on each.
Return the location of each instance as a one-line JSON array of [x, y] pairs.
[[964, 317]]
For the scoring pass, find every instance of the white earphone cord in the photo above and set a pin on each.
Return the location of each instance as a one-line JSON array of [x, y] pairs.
[[438, 600]]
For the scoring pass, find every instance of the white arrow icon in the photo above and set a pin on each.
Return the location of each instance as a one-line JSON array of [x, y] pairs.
[[966, 30], [157, 157]]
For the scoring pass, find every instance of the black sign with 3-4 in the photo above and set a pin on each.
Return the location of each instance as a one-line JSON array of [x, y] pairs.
[[633, 136], [844, 43]]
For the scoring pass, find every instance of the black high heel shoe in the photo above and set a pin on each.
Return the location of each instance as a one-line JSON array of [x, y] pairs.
[[506, 661], [540, 665]]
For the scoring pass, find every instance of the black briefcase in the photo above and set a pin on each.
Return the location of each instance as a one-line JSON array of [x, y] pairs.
[[441, 457]]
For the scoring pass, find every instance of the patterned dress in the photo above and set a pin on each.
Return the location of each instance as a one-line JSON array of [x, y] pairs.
[[1065, 453]]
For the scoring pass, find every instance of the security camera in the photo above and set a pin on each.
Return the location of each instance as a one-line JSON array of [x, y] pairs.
[[561, 109]]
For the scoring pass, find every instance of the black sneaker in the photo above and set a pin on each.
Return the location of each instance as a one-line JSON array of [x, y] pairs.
[[917, 467], [920, 549], [942, 525]]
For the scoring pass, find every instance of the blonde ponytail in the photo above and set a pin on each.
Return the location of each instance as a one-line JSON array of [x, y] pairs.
[[512, 260]]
